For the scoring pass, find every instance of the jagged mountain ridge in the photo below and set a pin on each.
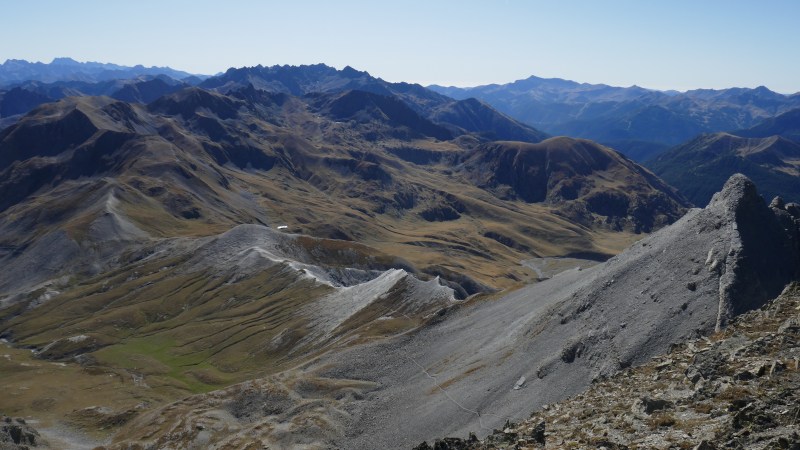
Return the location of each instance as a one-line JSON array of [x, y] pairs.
[[700, 166], [479, 365], [469, 116], [638, 122]]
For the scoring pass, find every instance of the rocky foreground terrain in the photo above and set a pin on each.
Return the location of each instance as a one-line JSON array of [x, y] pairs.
[[739, 388]]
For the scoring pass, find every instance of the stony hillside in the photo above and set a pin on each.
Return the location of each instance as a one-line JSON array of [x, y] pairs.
[[739, 388]]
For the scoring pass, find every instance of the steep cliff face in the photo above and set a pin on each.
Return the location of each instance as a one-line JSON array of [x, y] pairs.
[[761, 254]]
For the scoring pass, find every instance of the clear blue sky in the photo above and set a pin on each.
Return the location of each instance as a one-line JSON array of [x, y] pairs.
[[673, 44]]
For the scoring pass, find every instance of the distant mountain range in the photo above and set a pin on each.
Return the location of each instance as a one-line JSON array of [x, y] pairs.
[[636, 121], [469, 115], [27, 95], [67, 69], [768, 153], [456, 116], [25, 85], [641, 123]]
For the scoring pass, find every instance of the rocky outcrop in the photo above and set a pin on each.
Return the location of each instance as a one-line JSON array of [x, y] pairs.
[[761, 255], [16, 434]]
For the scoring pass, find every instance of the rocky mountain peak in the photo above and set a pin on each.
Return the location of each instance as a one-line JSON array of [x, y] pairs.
[[760, 250], [737, 192]]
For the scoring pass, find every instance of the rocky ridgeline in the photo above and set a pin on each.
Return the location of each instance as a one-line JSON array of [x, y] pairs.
[[737, 389], [15, 434]]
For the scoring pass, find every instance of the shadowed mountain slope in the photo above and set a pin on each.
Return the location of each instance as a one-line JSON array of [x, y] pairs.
[[785, 125], [588, 177], [362, 106], [699, 167], [476, 116]]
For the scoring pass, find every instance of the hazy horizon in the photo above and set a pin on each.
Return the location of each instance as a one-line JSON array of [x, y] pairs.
[[677, 46]]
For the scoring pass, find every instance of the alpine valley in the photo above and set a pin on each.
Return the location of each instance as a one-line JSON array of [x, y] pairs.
[[308, 257]]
